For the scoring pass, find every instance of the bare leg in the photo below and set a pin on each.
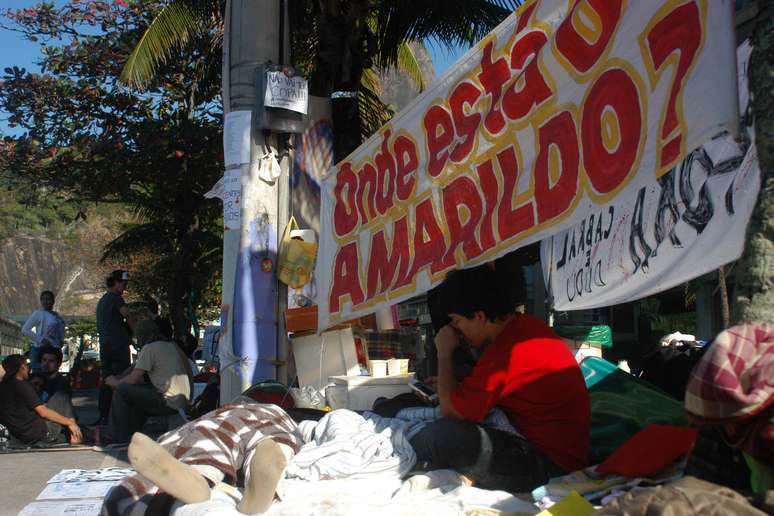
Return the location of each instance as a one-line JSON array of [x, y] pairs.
[[266, 468], [156, 464]]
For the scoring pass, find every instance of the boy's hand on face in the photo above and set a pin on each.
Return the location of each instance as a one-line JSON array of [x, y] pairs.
[[446, 341]]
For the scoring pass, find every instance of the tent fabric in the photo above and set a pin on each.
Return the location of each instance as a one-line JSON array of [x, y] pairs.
[[598, 334], [622, 405]]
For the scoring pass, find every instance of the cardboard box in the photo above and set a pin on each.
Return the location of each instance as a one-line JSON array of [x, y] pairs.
[[318, 357], [301, 319], [304, 319], [360, 392]]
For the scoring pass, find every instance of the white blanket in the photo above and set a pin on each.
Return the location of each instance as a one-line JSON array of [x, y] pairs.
[[344, 444], [440, 492]]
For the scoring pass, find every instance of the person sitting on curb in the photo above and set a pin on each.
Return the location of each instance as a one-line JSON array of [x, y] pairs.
[[27, 418], [168, 392], [526, 370]]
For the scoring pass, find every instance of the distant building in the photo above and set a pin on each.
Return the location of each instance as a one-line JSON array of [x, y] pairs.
[[11, 340]]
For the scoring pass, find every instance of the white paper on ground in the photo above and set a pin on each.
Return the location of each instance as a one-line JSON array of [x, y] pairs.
[[89, 489], [90, 475], [64, 508]]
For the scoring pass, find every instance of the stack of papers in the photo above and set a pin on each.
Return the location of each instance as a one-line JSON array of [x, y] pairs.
[[75, 492]]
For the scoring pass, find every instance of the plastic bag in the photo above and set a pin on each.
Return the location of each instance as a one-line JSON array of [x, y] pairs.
[[296, 258], [307, 397]]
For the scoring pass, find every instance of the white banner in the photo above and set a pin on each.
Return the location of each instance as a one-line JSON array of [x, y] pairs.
[[689, 222], [561, 111]]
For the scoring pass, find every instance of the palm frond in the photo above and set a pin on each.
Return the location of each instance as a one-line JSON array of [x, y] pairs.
[[452, 23], [408, 64], [173, 27], [373, 112]]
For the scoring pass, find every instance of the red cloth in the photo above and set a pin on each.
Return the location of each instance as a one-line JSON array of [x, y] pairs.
[[529, 373], [649, 451]]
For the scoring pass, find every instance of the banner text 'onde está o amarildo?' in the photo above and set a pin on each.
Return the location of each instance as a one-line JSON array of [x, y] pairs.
[[564, 104]]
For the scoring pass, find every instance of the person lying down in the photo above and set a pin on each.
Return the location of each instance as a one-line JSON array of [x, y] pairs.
[[241, 440]]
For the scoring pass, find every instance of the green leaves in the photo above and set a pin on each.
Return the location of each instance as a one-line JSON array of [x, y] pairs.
[[172, 28], [89, 139]]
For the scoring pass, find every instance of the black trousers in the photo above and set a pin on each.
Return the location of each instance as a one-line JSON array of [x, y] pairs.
[[131, 406], [492, 458], [114, 360], [61, 403]]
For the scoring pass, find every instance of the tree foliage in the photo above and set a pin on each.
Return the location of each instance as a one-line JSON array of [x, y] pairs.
[[89, 138], [335, 43]]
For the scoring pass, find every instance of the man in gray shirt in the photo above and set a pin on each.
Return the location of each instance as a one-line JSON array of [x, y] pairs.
[[114, 337]]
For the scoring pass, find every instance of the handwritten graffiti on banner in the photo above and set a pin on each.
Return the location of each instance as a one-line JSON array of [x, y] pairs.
[[686, 223], [545, 122], [665, 231]]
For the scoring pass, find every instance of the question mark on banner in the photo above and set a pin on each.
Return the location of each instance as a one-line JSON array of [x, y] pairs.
[[674, 40]]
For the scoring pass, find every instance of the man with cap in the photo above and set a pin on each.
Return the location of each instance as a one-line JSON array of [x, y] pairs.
[[27, 418], [114, 336]]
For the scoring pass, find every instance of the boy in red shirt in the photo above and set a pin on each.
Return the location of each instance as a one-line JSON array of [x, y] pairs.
[[526, 370]]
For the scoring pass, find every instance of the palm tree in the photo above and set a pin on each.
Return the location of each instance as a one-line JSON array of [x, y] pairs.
[[754, 296], [335, 42]]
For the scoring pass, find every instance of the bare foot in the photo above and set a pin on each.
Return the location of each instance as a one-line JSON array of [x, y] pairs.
[[156, 464], [266, 468]]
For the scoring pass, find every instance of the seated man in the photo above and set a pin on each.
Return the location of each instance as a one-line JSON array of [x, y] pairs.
[[55, 382], [526, 370], [134, 400], [26, 417]]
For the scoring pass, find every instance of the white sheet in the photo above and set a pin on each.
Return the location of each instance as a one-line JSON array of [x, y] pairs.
[[440, 492], [344, 444]]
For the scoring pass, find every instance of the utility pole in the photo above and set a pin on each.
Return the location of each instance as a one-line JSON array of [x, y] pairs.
[[253, 341]]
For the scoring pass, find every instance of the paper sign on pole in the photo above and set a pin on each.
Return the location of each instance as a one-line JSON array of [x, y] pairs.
[[563, 109], [232, 199], [286, 92], [686, 223], [236, 138]]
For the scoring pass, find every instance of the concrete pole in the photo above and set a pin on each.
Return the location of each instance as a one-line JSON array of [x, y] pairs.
[[248, 346]]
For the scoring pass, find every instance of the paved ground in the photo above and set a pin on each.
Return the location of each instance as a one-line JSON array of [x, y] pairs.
[[24, 475]]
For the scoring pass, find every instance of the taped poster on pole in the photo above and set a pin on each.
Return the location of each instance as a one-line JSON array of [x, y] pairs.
[[688, 222], [565, 108]]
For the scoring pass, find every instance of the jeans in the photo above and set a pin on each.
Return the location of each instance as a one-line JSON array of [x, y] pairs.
[[34, 358], [131, 406], [492, 458]]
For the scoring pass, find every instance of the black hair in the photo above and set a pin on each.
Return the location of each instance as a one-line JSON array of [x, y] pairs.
[[467, 291], [47, 292], [52, 350], [11, 365]]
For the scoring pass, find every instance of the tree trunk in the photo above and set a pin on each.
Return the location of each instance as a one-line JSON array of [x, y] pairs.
[[754, 295]]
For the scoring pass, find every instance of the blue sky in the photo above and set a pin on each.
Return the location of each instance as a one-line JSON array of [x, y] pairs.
[[15, 51]]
